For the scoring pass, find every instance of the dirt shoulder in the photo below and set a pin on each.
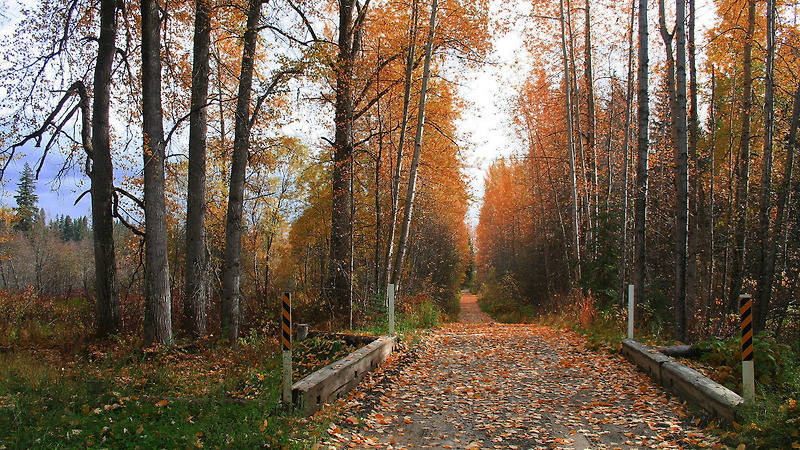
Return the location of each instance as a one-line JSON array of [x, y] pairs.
[[483, 385]]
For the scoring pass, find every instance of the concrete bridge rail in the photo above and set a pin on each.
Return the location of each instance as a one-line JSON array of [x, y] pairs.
[[690, 384], [336, 379]]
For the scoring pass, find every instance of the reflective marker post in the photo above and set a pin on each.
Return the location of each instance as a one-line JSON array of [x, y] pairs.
[[390, 297], [630, 311], [748, 372], [286, 340]]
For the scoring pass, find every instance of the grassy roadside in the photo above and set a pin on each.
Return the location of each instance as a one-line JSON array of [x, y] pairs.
[[199, 396], [205, 394]]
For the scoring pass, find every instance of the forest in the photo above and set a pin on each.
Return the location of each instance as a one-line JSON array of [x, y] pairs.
[[657, 152], [230, 151], [314, 148], [233, 151]]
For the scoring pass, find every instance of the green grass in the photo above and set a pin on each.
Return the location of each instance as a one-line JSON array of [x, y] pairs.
[[219, 398]]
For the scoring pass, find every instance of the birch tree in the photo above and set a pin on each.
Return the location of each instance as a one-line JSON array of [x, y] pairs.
[[742, 175], [412, 176], [642, 148]]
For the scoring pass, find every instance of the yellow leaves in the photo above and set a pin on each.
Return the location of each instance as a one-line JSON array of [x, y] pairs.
[[352, 420], [162, 403]]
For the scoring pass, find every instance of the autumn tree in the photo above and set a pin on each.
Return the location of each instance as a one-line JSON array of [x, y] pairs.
[[352, 16], [743, 166], [158, 302], [64, 43], [196, 303], [412, 177]]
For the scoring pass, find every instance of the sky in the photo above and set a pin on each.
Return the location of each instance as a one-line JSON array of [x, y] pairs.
[[486, 127], [57, 197]]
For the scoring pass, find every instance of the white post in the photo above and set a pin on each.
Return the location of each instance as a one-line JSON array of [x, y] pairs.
[[391, 309], [287, 377], [748, 381], [630, 311]]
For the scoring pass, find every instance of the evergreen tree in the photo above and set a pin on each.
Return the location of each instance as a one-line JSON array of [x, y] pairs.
[[26, 211], [67, 232]]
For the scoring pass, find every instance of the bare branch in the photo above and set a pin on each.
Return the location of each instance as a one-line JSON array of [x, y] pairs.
[[81, 196], [276, 79], [135, 199], [305, 20], [76, 88], [121, 218]]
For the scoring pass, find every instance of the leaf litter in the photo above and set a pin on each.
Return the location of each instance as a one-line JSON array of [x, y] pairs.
[[484, 385]]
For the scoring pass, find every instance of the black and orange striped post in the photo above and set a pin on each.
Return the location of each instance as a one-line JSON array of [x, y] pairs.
[[286, 341], [748, 372]]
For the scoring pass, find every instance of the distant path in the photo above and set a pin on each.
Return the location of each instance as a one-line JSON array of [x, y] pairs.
[[470, 311], [477, 384]]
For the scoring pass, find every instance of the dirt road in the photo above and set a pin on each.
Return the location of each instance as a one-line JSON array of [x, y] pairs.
[[477, 384]]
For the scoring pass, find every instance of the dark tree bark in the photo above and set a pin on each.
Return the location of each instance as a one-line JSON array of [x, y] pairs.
[[739, 218], [696, 201], [766, 256], [231, 276], [681, 173], [194, 309], [676, 85], [102, 178], [412, 176], [783, 201], [640, 220], [158, 304], [351, 20]]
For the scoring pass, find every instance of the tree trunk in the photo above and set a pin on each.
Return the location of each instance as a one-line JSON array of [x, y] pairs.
[[412, 176], [570, 142], [231, 276], [590, 107], [158, 304], [403, 129], [712, 259], [743, 172], [696, 201], [676, 84], [580, 150], [194, 308], [102, 178], [640, 220], [626, 162], [338, 276], [681, 175], [783, 201], [766, 238]]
